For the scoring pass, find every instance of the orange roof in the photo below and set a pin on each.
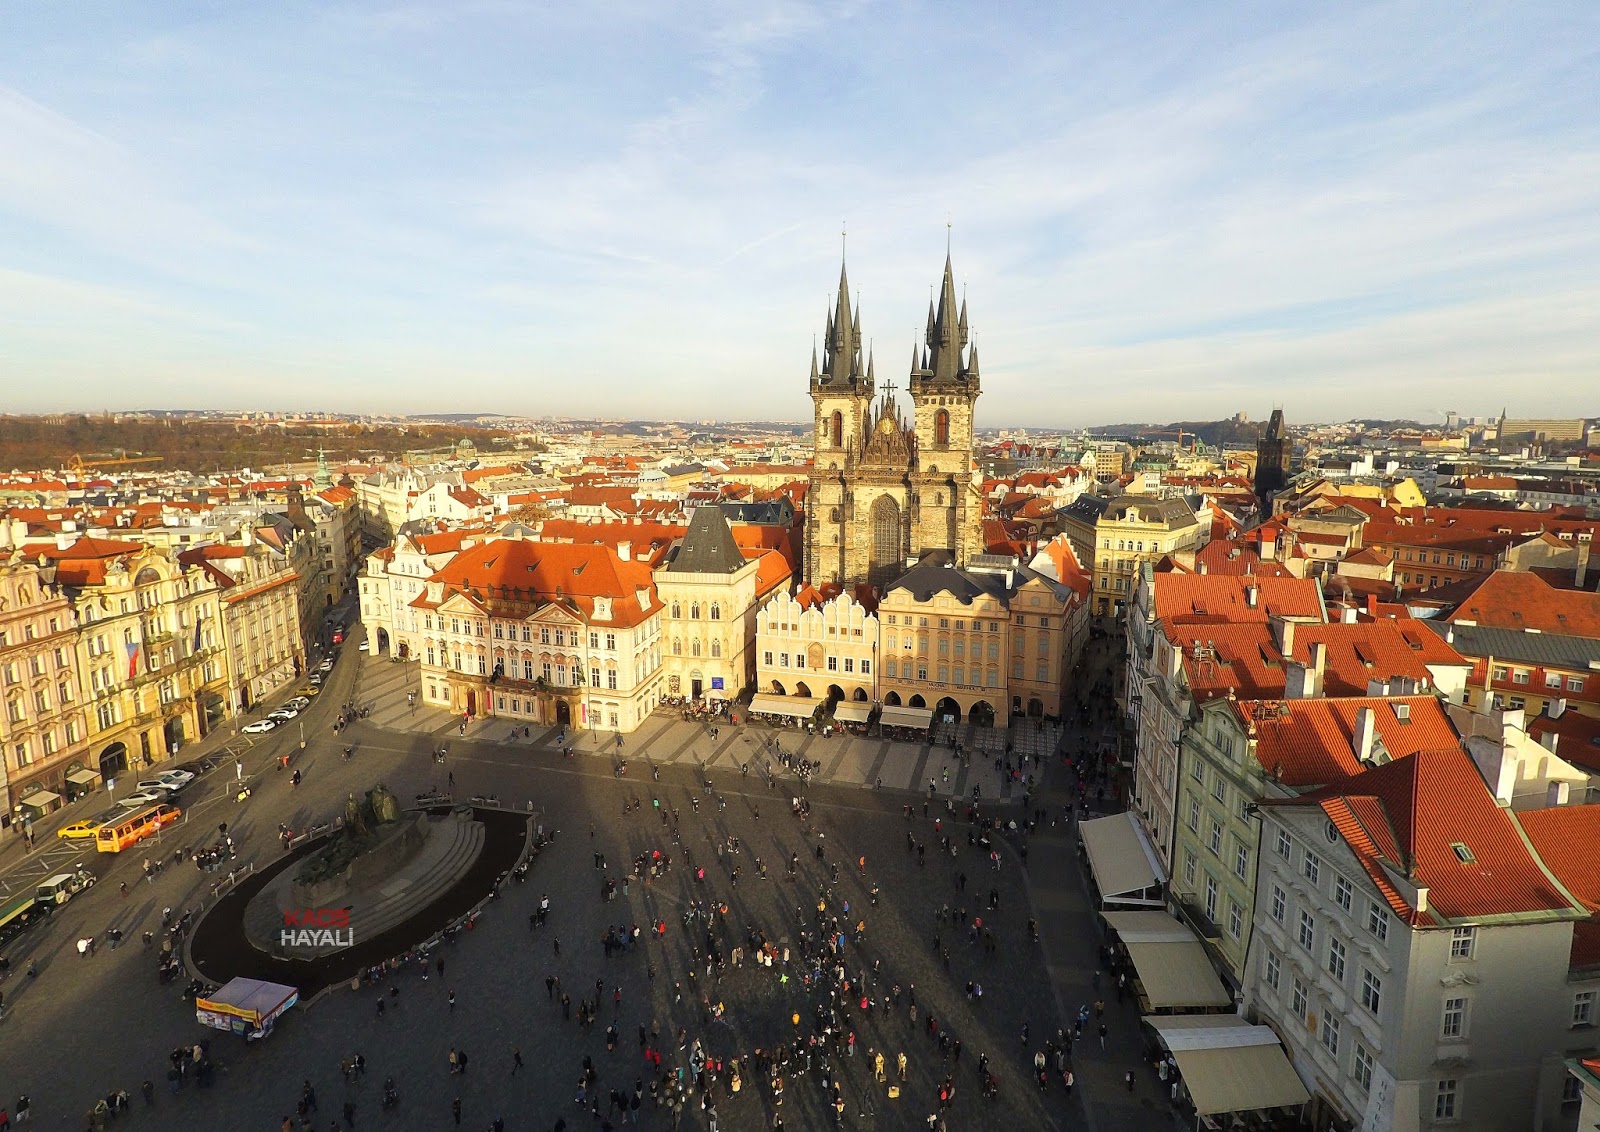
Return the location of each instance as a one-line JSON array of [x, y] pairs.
[[772, 570], [1244, 660], [1411, 813], [1514, 599], [508, 576], [1565, 838], [1183, 599], [1307, 743], [86, 547]]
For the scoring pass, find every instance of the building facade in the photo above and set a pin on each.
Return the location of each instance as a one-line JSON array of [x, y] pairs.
[[811, 646], [44, 751]]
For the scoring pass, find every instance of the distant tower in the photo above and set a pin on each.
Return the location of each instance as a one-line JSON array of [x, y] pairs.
[[1272, 461], [323, 480], [841, 395]]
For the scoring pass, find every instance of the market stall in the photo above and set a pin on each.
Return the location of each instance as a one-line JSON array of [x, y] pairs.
[[246, 1006]]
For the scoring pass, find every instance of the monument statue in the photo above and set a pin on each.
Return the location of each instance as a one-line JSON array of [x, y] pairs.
[[385, 806], [355, 817]]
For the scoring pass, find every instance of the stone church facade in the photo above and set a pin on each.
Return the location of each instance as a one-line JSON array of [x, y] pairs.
[[884, 489]]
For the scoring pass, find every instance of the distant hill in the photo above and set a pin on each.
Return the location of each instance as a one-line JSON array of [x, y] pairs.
[[197, 445], [1219, 434]]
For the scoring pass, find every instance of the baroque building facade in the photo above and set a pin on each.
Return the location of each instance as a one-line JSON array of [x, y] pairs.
[[884, 489]]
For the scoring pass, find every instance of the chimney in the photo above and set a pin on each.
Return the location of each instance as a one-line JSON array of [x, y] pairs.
[[1550, 741], [1505, 788], [1450, 635], [1366, 729], [1251, 596], [1376, 687], [1556, 708], [1269, 549], [1319, 665], [1557, 793], [1283, 629], [1297, 684], [625, 550], [1582, 572]]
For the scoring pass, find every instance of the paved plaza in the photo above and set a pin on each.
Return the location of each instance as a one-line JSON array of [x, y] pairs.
[[88, 1026]]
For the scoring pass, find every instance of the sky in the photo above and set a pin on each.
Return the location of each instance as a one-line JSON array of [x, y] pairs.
[[1156, 211]]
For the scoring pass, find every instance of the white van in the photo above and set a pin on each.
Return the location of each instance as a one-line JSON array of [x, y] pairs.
[[57, 890]]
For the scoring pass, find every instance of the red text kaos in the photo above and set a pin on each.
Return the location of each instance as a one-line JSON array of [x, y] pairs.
[[323, 928]]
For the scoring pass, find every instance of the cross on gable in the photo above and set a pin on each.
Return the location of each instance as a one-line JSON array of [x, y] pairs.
[[889, 387]]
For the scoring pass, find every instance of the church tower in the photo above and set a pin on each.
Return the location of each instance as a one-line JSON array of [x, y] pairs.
[[841, 396], [1272, 462], [946, 501]]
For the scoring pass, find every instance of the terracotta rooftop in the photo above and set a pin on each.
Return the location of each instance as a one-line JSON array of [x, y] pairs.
[[1201, 598], [1311, 742], [1431, 818], [1514, 599]]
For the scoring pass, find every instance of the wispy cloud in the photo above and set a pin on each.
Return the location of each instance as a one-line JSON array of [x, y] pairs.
[[1159, 212]]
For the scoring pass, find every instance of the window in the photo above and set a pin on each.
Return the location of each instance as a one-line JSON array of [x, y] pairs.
[[1583, 1008], [1215, 840], [1211, 898], [1552, 680], [1330, 1032], [1299, 1000], [1520, 677], [1371, 991], [1219, 790], [1311, 867], [1444, 1100], [866, 668], [1501, 672], [1336, 956], [1198, 771], [611, 679], [1574, 683], [1194, 815], [1453, 1024], [1378, 921], [766, 659], [1279, 904], [1285, 844], [833, 664], [1343, 892], [1241, 861], [1235, 919], [1274, 969], [1189, 867], [1361, 1068], [1308, 931], [1462, 942]]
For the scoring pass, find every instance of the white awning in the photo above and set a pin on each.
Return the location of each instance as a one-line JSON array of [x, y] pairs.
[[799, 707], [1170, 961], [851, 711], [1229, 1065], [1122, 860], [82, 777], [896, 716], [39, 799]]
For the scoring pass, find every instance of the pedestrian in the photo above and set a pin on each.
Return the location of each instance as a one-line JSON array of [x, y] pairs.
[[516, 1059], [455, 1109], [1102, 1037], [558, 945], [1128, 1077], [451, 999]]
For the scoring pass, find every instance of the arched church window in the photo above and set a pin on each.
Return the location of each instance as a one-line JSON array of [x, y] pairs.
[[836, 429], [941, 429], [833, 515], [694, 611], [677, 611], [716, 612], [716, 648], [677, 647], [694, 647], [938, 498]]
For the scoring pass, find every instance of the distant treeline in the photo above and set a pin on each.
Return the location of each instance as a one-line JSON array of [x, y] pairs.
[[208, 446]]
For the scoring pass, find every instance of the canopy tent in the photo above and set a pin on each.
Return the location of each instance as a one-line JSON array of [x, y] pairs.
[[82, 777], [1229, 1065], [245, 1006], [41, 799], [851, 711], [1170, 962], [896, 716], [1124, 864], [798, 707]]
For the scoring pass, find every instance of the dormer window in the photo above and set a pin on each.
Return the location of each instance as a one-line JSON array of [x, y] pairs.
[[1462, 852]]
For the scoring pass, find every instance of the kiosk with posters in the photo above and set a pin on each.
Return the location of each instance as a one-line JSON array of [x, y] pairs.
[[246, 1006]]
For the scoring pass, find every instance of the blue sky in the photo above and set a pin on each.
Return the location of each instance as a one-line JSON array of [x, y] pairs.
[[1159, 212]]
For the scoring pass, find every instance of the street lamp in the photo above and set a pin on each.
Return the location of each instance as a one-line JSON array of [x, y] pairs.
[[302, 734]]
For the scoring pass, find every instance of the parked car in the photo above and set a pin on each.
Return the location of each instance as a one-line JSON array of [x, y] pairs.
[[156, 786], [299, 703], [260, 726], [308, 690], [363, 646], [149, 797], [326, 665], [284, 714], [177, 775], [316, 677]]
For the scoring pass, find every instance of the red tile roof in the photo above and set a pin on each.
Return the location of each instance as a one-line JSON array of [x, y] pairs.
[[506, 573], [1578, 737], [1514, 599], [1306, 743], [1244, 660], [1411, 813], [1182, 599], [1565, 838]]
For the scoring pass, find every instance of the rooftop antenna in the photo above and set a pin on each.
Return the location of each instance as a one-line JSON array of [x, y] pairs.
[[842, 227], [947, 235]]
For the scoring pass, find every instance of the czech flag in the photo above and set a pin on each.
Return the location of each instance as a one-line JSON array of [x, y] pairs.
[[133, 658]]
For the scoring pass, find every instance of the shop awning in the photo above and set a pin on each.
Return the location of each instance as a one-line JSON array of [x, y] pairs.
[[82, 777], [1123, 861], [851, 711], [896, 716], [41, 799], [1169, 960], [1229, 1065], [798, 707]]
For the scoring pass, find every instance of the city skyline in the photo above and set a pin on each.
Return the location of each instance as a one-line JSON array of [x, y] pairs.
[[477, 208]]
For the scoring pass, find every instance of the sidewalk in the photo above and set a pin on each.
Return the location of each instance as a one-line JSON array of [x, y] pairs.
[[667, 738]]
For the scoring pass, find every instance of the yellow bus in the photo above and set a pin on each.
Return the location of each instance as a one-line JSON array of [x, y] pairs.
[[119, 833]]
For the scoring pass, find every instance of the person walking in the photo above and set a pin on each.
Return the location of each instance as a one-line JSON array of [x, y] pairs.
[[516, 1059], [455, 1109]]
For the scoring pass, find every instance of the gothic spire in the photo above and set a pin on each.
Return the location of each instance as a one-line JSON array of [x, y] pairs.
[[947, 330]]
